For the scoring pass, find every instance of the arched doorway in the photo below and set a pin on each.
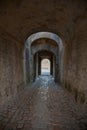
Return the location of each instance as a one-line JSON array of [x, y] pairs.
[[59, 55], [45, 67], [39, 58]]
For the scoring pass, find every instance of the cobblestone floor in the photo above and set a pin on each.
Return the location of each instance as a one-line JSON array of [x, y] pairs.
[[44, 105]]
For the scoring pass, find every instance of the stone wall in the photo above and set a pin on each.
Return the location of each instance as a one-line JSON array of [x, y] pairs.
[[68, 19], [45, 46], [75, 63], [11, 67]]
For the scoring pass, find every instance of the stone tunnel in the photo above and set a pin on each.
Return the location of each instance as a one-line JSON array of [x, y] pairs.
[[31, 31]]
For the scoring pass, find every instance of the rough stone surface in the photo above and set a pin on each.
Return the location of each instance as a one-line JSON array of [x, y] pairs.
[[43, 105], [61, 17], [66, 18], [75, 64], [44, 44], [11, 69]]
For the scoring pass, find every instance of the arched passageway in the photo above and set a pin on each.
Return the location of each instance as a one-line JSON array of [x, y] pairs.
[[39, 57], [56, 30], [39, 42]]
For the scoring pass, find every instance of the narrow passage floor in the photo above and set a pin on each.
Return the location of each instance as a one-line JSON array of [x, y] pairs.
[[43, 105]]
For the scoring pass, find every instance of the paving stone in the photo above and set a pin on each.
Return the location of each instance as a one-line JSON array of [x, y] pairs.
[[42, 106]]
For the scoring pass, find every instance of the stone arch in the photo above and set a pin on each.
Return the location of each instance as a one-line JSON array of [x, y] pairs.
[[48, 35], [45, 54]]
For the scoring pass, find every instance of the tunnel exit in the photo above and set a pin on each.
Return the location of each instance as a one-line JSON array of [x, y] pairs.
[[45, 67]]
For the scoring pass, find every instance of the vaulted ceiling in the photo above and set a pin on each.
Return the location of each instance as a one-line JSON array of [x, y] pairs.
[[21, 18]]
